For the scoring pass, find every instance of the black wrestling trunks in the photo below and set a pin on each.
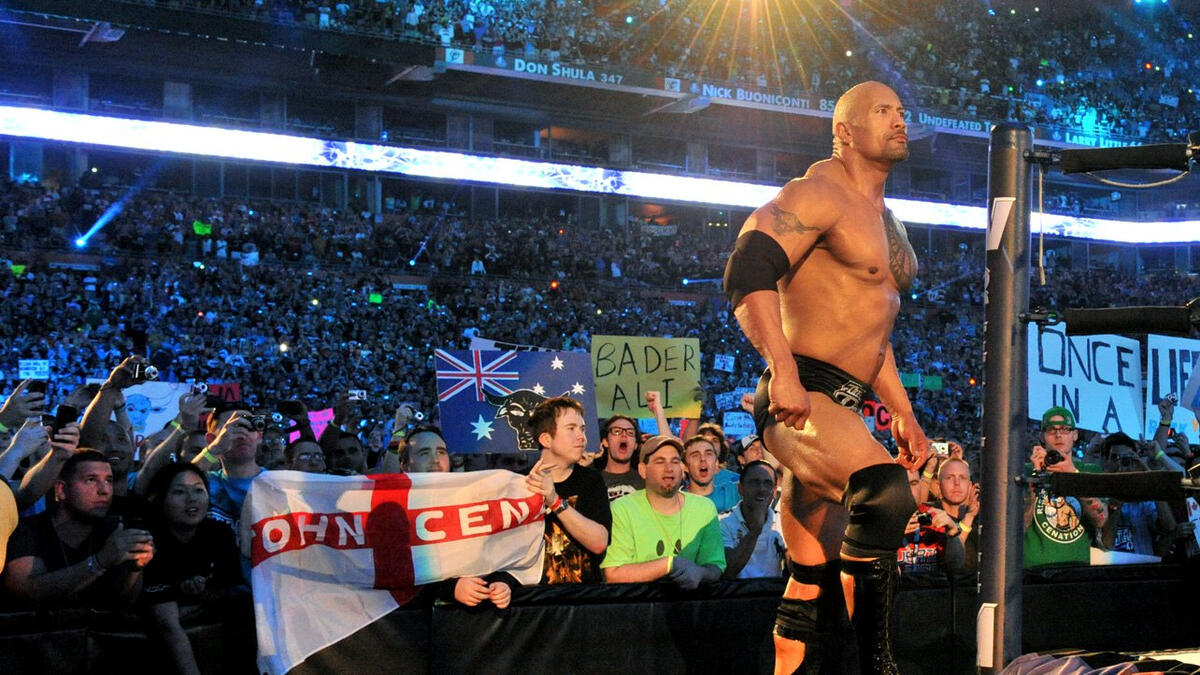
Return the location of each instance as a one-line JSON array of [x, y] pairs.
[[817, 377]]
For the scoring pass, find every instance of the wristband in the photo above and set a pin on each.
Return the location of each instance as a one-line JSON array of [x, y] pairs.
[[3, 429], [557, 506], [1164, 424], [94, 566], [207, 456], [177, 425], [1159, 454], [964, 528], [562, 506], [927, 475]]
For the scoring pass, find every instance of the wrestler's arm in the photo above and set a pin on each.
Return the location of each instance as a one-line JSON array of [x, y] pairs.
[[910, 438], [795, 219]]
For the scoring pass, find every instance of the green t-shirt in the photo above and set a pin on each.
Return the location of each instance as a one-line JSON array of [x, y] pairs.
[[1057, 534], [641, 534]]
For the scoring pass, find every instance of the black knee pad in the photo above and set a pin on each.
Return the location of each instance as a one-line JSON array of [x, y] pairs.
[[880, 503], [797, 620], [808, 620]]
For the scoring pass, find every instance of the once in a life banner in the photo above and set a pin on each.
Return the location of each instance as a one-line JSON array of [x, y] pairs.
[[331, 554], [624, 368], [1170, 362], [485, 397], [1097, 377]]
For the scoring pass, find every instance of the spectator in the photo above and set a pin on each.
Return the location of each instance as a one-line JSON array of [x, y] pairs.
[[232, 446], [577, 513], [195, 558], [753, 547], [1057, 528], [304, 455], [74, 554], [1133, 527], [662, 532], [618, 439], [937, 535], [700, 456]]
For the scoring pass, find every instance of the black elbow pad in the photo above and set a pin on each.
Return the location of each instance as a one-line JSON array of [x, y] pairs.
[[757, 263]]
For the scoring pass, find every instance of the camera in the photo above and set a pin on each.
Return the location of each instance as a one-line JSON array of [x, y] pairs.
[[925, 519], [143, 372], [942, 448], [257, 422], [1052, 457], [356, 395]]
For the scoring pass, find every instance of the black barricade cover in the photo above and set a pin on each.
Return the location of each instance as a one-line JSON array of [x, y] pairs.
[[643, 627], [1131, 487]]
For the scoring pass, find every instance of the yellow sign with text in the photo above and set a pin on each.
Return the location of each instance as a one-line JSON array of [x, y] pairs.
[[624, 368]]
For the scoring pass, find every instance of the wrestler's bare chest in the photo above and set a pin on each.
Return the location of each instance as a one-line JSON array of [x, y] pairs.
[[867, 248]]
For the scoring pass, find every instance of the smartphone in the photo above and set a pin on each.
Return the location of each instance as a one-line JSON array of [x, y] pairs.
[[62, 417], [942, 448], [39, 386]]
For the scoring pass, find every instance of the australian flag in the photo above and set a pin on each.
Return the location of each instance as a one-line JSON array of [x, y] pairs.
[[485, 396]]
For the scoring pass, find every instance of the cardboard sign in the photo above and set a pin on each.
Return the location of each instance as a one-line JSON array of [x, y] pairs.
[[1097, 377], [624, 368]]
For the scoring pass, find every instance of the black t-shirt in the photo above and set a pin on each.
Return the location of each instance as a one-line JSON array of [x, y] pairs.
[[621, 484], [566, 560], [211, 553], [35, 536]]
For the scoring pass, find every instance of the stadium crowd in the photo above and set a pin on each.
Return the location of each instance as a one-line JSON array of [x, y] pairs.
[[1132, 75], [304, 304]]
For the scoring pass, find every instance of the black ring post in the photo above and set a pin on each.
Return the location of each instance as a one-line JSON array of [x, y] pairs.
[[1005, 395]]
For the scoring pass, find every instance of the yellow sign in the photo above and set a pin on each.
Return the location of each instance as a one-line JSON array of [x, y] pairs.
[[625, 368]]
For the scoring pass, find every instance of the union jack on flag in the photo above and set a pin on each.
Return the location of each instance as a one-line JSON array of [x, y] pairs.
[[455, 376], [507, 386]]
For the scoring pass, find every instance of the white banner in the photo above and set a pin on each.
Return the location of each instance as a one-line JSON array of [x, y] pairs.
[[1170, 362], [723, 362], [33, 369], [736, 425], [1097, 377], [331, 554]]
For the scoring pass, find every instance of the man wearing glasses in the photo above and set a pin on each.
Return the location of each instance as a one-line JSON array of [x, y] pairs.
[[618, 437], [1057, 528]]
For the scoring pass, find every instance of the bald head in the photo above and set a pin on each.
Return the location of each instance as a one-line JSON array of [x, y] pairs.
[[852, 115]]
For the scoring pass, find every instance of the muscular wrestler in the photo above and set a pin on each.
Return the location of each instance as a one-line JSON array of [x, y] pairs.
[[815, 281]]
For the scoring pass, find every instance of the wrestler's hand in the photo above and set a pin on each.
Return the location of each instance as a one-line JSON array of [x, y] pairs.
[[910, 441], [789, 401]]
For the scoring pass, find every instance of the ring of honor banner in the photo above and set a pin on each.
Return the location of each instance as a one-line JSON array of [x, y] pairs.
[[331, 554], [1097, 377], [624, 368], [485, 396]]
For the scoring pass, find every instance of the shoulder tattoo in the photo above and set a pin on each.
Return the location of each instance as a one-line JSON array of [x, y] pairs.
[[901, 258], [787, 222]]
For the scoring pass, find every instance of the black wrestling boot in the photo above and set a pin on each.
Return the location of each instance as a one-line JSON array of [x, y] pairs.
[[874, 587]]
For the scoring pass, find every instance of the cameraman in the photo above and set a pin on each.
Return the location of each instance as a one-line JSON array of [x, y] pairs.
[[1058, 529]]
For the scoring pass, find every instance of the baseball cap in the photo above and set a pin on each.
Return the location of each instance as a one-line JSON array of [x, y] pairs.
[[747, 440], [1068, 420], [655, 443]]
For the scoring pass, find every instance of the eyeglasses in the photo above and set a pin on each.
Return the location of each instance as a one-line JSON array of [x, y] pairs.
[[620, 431], [1058, 431], [310, 456]]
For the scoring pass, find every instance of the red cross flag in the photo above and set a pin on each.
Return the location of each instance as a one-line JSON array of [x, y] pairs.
[[331, 554]]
